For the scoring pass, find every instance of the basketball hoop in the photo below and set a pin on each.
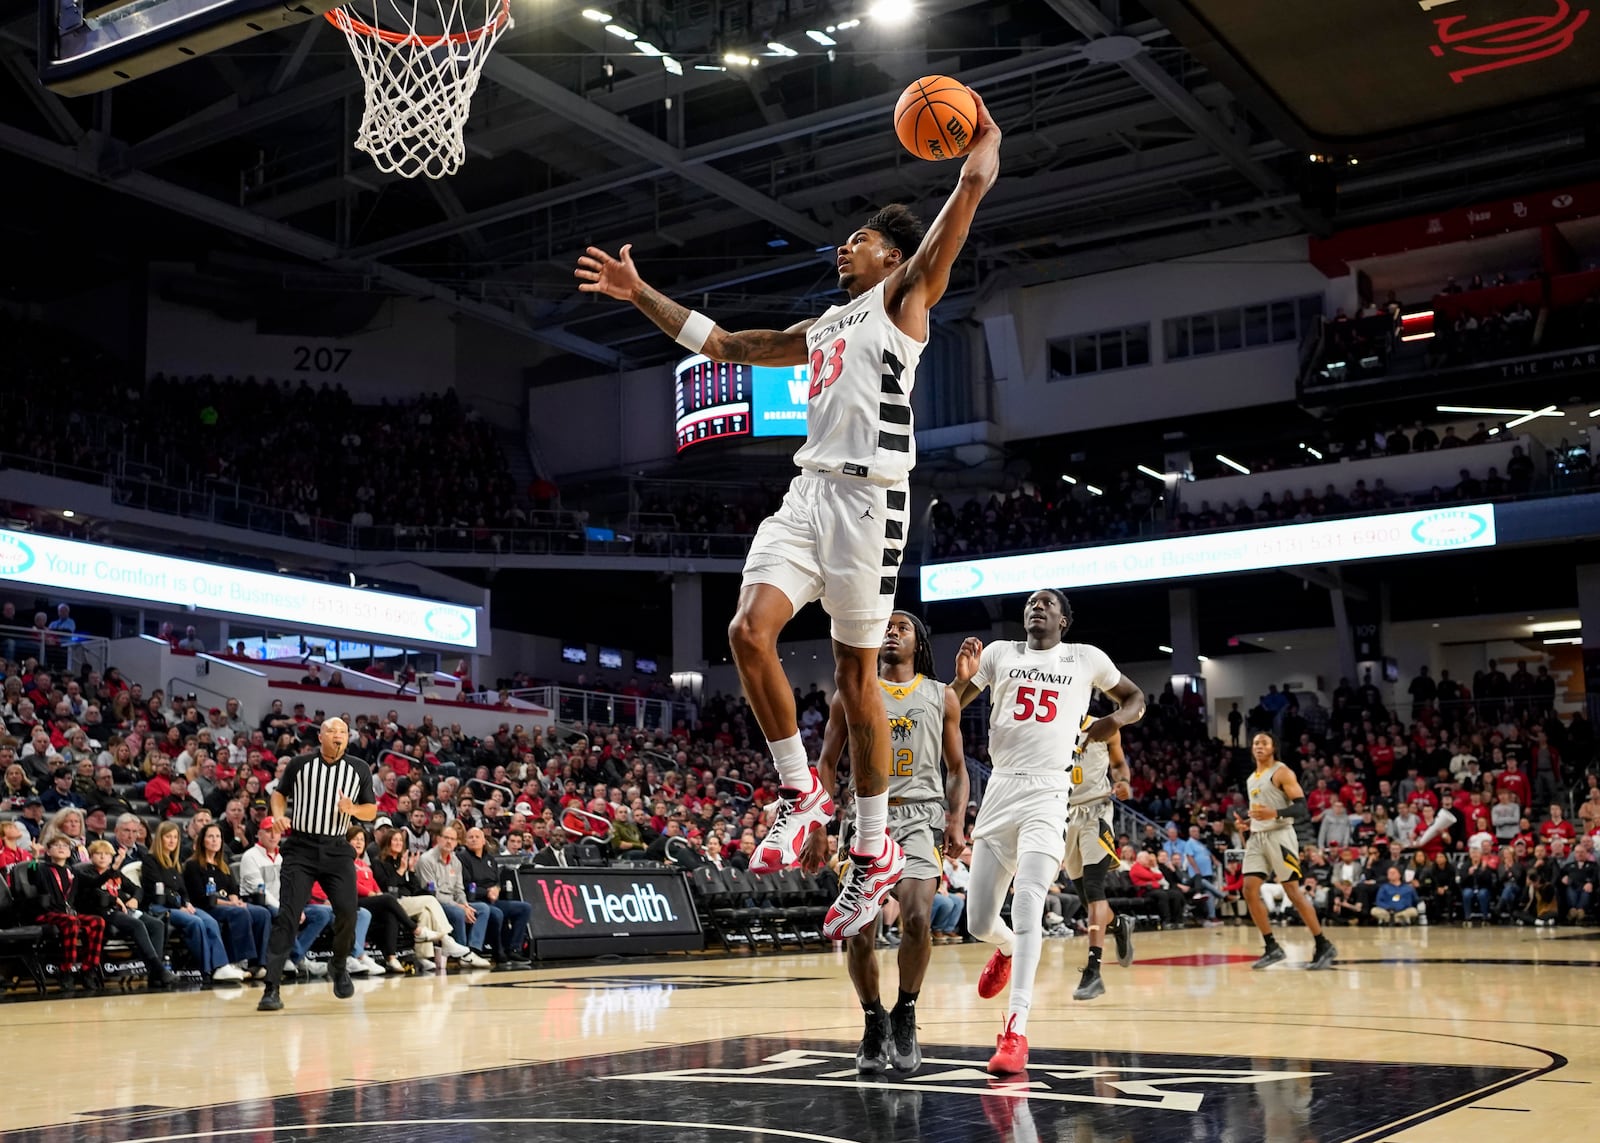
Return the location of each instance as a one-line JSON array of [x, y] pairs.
[[419, 85]]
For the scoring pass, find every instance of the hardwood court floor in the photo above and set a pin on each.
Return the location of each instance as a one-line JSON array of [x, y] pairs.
[[1419, 1035]]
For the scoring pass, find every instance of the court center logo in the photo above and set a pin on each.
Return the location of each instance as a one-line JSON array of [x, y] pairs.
[[1449, 529], [560, 900], [1508, 43], [16, 556]]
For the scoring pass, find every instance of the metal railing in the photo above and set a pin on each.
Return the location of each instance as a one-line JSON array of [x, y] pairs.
[[57, 650], [579, 708]]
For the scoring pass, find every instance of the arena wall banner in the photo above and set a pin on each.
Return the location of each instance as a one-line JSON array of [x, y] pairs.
[[1418, 533], [622, 910], [69, 566]]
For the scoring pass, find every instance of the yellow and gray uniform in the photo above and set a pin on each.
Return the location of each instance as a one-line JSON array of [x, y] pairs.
[[1090, 838], [1273, 848], [916, 787]]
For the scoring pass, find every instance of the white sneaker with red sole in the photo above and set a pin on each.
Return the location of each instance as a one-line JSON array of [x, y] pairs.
[[798, 816], [866, 886]]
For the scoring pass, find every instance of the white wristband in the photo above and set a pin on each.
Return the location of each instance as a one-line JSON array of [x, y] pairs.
[[696, 329]]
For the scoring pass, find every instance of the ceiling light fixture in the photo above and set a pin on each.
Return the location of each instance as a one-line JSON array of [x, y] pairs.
[[1152, 473], [1095, 491], [736, 59], [68, 513], [1487, 412], [1556, 625], [1069, 479], [1164, 649], [822, 38], [1418, 336], [719, 67], [1203, 658], [673, 66], [646, 48], [1313, 452], [1574, 640], [1233, 464], [622, 33], [778, 49], [1547, 411], [596, 15]]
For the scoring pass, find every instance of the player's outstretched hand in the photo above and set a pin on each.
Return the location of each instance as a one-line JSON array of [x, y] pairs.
[[600, 273], [967, 659], [986, 133], [814, 853]]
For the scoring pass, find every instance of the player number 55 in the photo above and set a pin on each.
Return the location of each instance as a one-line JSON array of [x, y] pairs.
[[1044, 710]]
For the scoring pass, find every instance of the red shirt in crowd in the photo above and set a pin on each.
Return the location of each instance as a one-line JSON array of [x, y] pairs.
[[1562, 828], [1145, 879], [1420, 798], [1382, 755], [1517, 783]]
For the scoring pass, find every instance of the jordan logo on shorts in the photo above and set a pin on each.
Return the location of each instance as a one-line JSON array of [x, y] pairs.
[[867, 515]]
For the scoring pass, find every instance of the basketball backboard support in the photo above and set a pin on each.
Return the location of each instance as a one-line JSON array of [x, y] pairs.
[[90, 45]]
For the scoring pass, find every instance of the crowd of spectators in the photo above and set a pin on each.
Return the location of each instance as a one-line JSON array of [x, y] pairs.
[[1518, 778], [704, 519]]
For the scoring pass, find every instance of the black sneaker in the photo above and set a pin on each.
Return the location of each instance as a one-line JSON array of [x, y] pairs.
[[872, 1056], [270, 1000], [1090, 986], [343, 987], [1122, 932], [904, 1051], [1274, 955], [1324, 956]]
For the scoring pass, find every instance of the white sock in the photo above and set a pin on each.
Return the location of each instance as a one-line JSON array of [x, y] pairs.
[[794, 768], [1035, 871], [872, 824]]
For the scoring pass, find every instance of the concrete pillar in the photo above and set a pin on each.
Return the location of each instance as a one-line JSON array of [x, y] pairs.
[[1185, 637], [688, 616], [1345, 635]]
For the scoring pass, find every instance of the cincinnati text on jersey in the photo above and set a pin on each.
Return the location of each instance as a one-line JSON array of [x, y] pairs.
[[815, 335], [1034, 675]]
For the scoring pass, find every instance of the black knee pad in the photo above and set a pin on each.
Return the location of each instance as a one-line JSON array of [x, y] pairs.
[[1092, 885]]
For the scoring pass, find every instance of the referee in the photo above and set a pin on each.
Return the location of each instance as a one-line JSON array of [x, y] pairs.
[[316, 798]]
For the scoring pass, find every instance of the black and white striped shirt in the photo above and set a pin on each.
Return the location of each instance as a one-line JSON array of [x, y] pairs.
[[312, 787]]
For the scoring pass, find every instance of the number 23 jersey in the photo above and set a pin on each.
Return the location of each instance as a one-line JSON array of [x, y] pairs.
[[858, 405], [1038, 700]]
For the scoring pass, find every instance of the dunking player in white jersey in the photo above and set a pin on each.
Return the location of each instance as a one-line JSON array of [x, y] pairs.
[[841, 530], [1039, 693]]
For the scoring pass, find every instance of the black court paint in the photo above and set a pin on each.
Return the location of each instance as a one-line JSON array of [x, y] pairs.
[[777, 1089]]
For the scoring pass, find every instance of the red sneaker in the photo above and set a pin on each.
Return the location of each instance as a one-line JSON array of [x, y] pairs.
[[798, 814], [1010, 1051], [866, 887], [995, 975]]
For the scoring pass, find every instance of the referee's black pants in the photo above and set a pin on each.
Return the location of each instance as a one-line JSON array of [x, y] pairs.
[[309, 858]]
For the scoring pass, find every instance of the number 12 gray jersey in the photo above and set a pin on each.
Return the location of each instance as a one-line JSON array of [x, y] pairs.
[[916, 739]]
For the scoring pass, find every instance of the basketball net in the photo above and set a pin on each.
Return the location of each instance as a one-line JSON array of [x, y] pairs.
[[419, 83]]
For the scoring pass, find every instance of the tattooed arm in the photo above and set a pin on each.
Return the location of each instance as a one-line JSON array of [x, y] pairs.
[[600, 273]]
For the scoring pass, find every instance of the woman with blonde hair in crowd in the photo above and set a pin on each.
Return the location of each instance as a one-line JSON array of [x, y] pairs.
[[67, 822], [161, 881], [396, 872], [15, 789]]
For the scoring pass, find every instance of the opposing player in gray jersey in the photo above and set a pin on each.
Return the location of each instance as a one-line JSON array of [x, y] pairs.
[[1099, 773], [840, 533], [925, 808], [1277, 805]]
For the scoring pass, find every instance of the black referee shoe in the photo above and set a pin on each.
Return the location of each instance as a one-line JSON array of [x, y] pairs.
[[343, 987], [270, 1000]]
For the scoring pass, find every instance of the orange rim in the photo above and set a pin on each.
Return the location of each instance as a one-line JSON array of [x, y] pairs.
[[342, 19]]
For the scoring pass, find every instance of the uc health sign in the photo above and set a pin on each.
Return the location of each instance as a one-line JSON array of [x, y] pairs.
[[70, 565], [1244, 550], [623, 909]]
